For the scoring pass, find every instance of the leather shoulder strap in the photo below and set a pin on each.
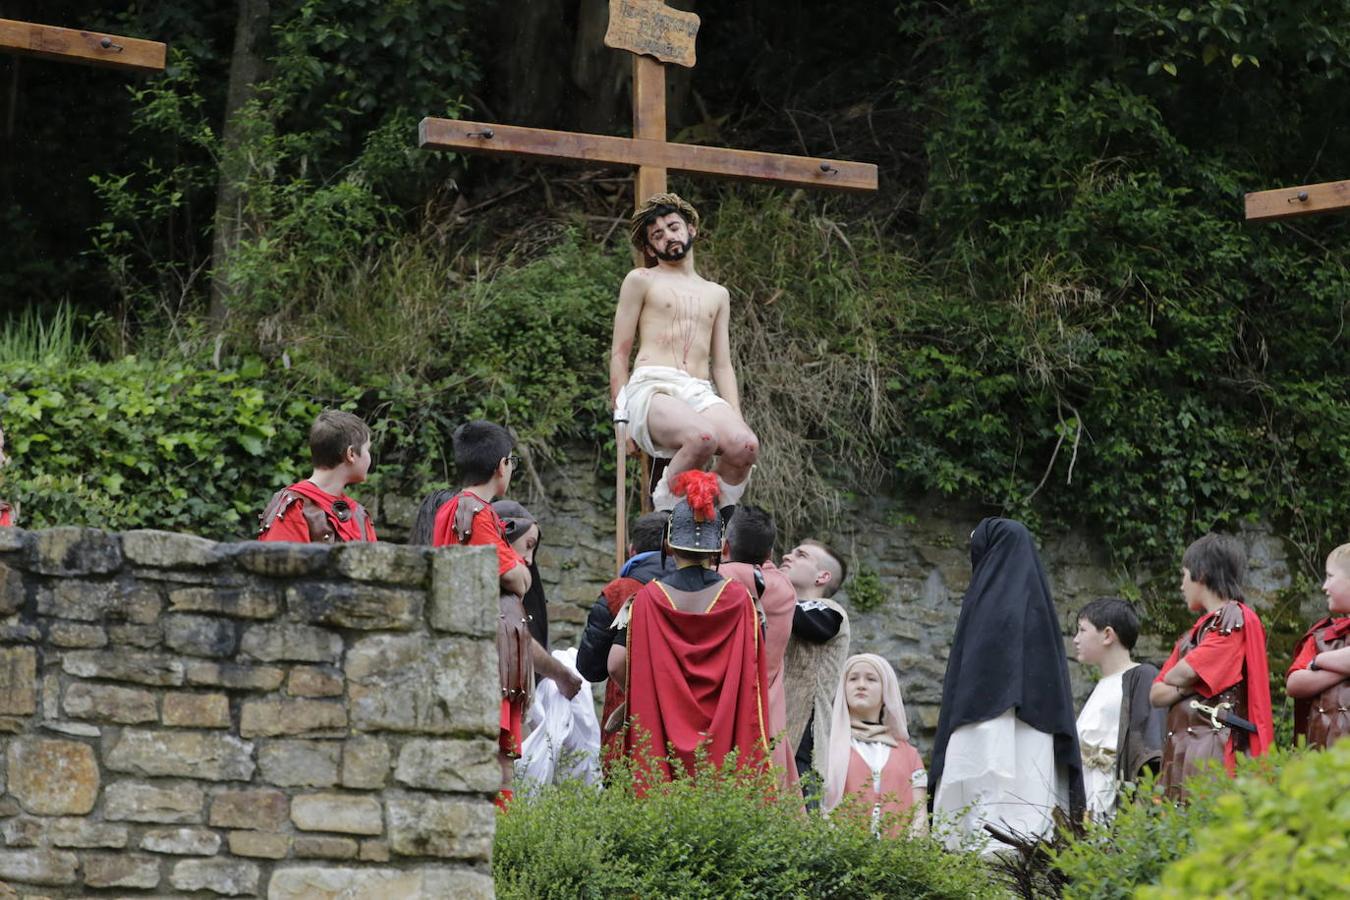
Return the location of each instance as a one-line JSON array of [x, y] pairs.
[[467, 507], [361, 519], [275, 509], [321, 531]]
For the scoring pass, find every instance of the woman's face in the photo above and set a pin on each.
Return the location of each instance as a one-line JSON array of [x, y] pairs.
[[525, 544], [862, 687]]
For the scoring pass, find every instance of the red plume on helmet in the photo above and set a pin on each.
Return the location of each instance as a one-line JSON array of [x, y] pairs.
[[700, 490]]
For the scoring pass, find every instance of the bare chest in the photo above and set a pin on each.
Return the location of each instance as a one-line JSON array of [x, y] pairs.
[[688, 302]]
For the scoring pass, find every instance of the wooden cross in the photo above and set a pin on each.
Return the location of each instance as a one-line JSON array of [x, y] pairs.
[[1307, 200], [655, 34], [91, 48]]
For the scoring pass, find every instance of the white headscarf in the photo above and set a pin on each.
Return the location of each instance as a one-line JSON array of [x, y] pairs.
[[841, 728]]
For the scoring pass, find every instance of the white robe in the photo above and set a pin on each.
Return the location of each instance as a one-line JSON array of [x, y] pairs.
[[1001, 771], [1098, 741]]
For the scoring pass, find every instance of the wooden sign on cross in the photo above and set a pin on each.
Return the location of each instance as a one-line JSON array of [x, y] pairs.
[[1306, 200], [652, 32], [92, 48]]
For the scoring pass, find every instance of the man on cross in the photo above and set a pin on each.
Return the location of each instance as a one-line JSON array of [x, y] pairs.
[[680, 320]]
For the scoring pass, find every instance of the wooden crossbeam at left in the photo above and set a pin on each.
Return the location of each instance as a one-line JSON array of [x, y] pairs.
[[1305, 200], [93, 48]]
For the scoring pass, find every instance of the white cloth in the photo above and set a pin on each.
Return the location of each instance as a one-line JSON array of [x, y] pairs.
[[635, 398], [1098, 740], [564, 740], [1001, 771]]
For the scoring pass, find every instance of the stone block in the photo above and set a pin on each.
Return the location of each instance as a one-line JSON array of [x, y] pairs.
[[230, 877], [53, 777], [109, 703], [374, 851], [9, 808], [365, 763], [130, 634], [22, 832], [77, 636], [121, 871], [11, 590], [181, 841], [189, 754], [170, 550], [299, 763], [200, 635], [250, 602], [45, 867], [94, 601], [343, 813], [18, 681], [464, 591], [387, 563], [302, 882], [291, 643], [272, 718], [450, 765], [323, 847], [19, 633], [414, 683], [115, 665], [135, 801], [187, 710], [314, 681], [12, 539], [72, 729], [75, 551], [259, 844], [260, 810], [84, 834], [281, 560], [232, 676], [448, 827], [355, 605]]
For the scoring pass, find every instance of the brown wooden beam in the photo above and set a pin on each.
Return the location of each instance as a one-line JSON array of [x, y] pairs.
[[1308, 200], [88, 47], [575, 147]]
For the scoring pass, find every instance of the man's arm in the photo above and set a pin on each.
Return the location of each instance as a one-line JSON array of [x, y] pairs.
[[568, 682], [631, 296], [1162, 695], [724, 375], [1334, 661], [1305, 683], [618, 665], [516, 580], [593, 650]]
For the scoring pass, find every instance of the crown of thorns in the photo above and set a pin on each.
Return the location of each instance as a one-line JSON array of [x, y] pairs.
[[642, 217]]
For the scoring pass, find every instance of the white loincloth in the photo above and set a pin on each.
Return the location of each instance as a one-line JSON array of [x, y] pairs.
[[647, 381]]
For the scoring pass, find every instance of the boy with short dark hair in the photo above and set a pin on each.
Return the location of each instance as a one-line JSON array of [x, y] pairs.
[[1119, 732], [1216, 685], [318, 510]]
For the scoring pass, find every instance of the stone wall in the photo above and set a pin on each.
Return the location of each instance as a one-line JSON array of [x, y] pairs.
[[919, 548], [197, 719]]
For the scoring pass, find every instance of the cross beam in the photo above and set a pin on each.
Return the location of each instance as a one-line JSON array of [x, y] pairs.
[[88, 47], [578, 147], [1307, 200]]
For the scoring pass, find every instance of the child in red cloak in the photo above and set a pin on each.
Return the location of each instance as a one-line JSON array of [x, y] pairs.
[[693, 666], [1221, 659], [318, 510], [6, 511], [1319, 679]]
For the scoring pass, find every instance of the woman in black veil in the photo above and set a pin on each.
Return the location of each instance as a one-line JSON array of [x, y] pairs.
[[1006, 752]]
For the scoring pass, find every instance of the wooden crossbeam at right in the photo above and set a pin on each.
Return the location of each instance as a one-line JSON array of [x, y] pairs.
[[1306, 200]]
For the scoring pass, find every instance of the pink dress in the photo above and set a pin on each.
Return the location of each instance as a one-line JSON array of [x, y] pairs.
[[890, 790]]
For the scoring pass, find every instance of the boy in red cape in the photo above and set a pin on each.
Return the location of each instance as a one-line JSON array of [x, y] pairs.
[[1319, 679], [694, 662], [318, 510], [1219, 664]]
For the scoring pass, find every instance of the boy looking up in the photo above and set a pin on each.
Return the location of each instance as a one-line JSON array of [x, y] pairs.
[[1119, 732], [318, 510], [1319, 679], [1210, 670]]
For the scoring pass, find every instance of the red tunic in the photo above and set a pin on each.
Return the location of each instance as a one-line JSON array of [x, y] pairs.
[[291, 526], [6, 517], [1223, 662], [487, 530], [616, 594], [695, 680], [897, 790], [1325, 718]]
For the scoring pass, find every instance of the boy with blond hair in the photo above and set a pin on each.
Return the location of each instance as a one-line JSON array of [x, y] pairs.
[[318, 510], [1319, 678]]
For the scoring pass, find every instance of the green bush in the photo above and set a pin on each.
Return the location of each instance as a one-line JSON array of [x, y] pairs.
[[711, 837]]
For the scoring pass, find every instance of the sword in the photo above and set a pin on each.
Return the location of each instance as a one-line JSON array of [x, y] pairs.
[[1221, 715]]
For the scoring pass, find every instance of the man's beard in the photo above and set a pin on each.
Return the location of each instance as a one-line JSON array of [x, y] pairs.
[[674, 252]]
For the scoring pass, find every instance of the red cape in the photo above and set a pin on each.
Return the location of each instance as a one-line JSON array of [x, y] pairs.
[[616, 594], [695, 680], [5, 515], [1258, 684]]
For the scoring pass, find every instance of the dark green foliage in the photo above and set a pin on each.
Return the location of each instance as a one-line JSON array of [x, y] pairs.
[[711, 837]]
